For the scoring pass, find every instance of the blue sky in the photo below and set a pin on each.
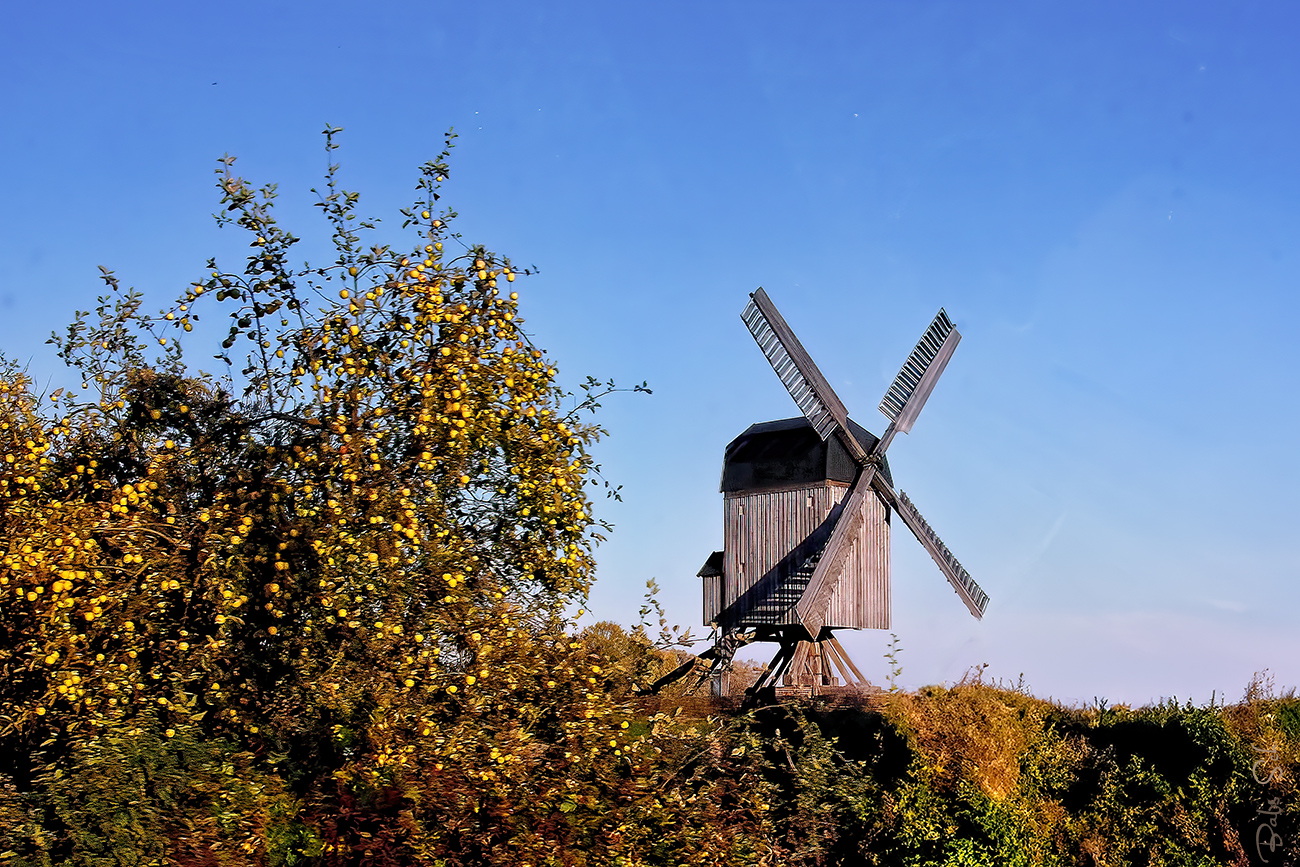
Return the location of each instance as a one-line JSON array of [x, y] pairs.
[[1102, 196]]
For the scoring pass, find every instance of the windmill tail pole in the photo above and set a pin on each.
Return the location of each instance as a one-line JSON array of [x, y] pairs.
[[719, 656], [671, 677]]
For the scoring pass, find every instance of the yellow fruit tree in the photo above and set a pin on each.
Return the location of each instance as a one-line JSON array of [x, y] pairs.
[[310, 611]]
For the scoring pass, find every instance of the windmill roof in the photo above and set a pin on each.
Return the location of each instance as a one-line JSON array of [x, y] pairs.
[[786, 453], [712, 567]]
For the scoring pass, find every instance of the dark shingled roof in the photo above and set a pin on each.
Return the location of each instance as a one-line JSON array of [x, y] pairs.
[[786, 453]]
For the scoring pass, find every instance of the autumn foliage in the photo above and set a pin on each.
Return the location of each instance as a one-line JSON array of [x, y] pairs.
[[313, 610]]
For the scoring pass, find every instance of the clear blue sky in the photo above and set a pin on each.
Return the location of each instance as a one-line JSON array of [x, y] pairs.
[[1102, 195]]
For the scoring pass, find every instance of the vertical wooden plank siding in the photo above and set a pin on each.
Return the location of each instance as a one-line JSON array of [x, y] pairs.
[[712, 590], [761, 528], [875, 577]]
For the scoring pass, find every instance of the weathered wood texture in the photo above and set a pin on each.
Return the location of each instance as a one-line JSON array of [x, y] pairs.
[[842, 656], [712, 587], [762, 528], [812, 608]]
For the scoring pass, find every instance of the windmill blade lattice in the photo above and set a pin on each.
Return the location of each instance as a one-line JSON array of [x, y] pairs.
[[910, 389], [797, 372], [970, 592]]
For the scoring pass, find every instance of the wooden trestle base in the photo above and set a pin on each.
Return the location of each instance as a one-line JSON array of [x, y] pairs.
[[803, 668]]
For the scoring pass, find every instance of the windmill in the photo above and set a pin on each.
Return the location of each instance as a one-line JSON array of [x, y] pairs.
[[807, 506]]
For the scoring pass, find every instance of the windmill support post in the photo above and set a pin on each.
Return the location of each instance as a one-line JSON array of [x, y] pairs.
[[803, 667]]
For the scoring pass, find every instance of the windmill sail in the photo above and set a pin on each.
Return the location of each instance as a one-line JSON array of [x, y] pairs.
[[797, 372], [969, 592], [811, 609], [912, 387]]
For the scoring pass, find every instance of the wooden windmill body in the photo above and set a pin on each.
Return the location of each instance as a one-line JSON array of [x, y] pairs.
[[808, 504]]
